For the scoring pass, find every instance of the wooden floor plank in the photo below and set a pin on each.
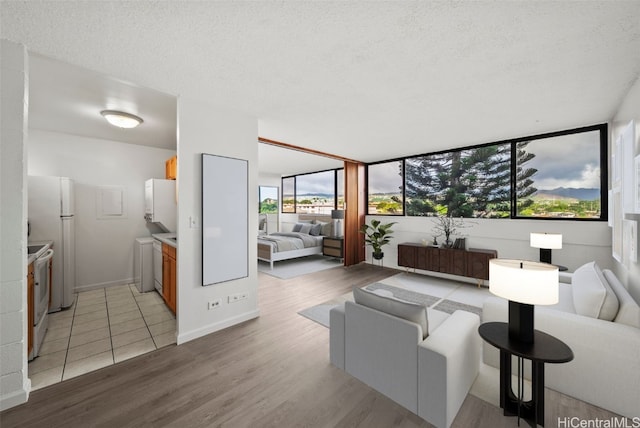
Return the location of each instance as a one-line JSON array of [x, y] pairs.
[[273, 371]]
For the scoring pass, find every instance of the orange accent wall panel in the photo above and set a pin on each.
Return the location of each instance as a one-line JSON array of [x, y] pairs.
[[354, 174]]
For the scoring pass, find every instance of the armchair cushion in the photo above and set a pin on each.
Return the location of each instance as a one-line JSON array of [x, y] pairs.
[[399, 308]]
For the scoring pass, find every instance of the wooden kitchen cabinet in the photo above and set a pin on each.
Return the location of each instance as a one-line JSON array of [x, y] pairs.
[[171, 168], [30, 315], [169, 271]]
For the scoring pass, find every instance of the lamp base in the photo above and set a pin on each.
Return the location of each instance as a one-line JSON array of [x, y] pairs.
[[545, 255], [520, 322]]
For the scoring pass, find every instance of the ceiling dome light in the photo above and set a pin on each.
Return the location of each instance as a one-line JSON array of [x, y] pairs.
[[121, 119]]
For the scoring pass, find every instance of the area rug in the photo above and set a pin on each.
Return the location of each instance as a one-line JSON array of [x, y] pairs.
[[486, 386], [320, 313], [287, 269]]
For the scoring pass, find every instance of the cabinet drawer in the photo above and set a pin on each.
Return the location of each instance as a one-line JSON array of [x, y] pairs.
[[332, 243], [334, 252]]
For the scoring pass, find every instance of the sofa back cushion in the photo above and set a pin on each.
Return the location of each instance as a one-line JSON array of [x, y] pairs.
[[592, 294], [629, 311], [398, 308]]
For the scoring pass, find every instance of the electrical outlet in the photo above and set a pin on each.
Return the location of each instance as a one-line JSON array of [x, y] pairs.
[[213, 304], [237, 297]]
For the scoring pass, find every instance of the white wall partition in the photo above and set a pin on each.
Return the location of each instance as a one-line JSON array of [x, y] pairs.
[[203, 128], [14, 383]]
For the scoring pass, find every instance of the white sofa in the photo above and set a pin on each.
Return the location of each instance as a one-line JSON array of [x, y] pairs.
[[381, 342], [600, 322]]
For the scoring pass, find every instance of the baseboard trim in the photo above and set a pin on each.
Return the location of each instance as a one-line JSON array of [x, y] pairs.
[[16, 398], [107, 284], [212, 328]]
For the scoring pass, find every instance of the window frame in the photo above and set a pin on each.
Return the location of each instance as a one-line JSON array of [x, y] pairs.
[[295, 188], [604, 174], [403, 192]]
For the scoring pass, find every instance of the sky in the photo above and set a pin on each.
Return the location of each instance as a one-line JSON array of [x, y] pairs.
[[565, 161], [320, 182]]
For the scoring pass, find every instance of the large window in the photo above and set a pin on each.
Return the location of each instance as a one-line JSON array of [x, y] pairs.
[[313, 193], [553, 176], [289, 195], [385, 186], [466, 183], [340, 189], [268, 202], [560, 176]]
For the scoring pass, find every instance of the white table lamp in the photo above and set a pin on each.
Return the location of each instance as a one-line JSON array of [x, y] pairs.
[[337, 216], [546, 242], [524, 284]]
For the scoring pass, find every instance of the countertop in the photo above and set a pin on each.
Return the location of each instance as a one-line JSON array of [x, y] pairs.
[[167, 238], [32, 257]]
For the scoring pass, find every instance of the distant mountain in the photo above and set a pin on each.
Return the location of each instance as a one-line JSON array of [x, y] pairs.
[[568, 193], [317, 195]]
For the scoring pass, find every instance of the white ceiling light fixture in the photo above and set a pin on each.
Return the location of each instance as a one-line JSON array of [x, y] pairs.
[[121, 119]]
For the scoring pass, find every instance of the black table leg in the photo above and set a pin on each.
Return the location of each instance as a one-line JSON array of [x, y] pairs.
[[531, 411], [537, 384]]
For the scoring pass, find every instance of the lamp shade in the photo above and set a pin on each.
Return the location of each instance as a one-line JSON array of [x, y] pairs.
[[524, 281], [552, 241], [337, 214]]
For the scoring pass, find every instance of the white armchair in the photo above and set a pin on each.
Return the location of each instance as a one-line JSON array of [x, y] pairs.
[[430, 377]]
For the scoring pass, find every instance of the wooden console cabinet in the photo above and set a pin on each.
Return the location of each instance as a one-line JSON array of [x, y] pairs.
[[472, 263]]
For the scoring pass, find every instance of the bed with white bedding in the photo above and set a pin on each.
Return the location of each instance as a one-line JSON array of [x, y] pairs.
[[305, 240]]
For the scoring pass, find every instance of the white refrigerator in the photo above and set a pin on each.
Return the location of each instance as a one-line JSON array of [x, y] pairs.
[[51, 216]]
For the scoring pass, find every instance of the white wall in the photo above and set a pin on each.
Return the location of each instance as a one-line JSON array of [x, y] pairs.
[[205, 129], [582, 241], [14, 83], [629, 110], [104, 247]]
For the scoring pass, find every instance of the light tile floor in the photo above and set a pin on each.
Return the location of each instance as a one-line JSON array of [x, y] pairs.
[[103, 327]]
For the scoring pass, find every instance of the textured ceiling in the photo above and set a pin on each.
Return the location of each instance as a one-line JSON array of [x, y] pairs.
[[364, 80]]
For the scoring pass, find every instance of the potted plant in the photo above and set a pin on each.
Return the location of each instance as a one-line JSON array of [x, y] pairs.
[[377, 234]]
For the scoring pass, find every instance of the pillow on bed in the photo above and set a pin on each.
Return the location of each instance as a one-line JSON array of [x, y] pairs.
[[297, 227], [325, 228], [306, 228], [316, 229]]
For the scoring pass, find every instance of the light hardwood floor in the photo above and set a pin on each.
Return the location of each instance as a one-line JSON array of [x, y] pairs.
[[273, 371]]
